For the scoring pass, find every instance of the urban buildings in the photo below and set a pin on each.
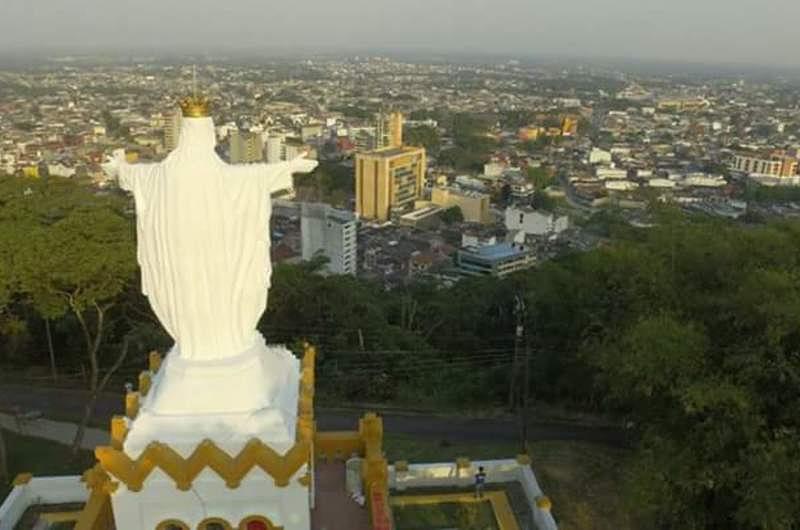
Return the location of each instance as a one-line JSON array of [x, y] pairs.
[[292, 148], [498, 260], [771, 164], [682, 104], [380, 138], [172, 131], [275, 149], [389, 180], [246, 147], [534, 222], [643, 139], [427, 217], [474, 205], [280, 147], [532, 132], [569, 126], [395, 129], [599, 156], [388, 130], [330, 233]]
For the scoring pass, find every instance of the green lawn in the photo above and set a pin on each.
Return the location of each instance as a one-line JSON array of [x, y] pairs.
[[463, 516], [41, 457], [582, 479]]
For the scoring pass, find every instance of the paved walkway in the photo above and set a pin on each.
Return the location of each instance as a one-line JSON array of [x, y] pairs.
[[334, 509], [56, 431]]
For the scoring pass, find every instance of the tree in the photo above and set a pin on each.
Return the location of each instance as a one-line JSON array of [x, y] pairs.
[[9, 241], [77, 258], [706, 373], [542, 201], [423, 136], [452, 215], [504, 195], [584, 125], [539, 177], [329, 182], [114, 126], [462, 159], [7, 322], [472, 145], [514, 119]]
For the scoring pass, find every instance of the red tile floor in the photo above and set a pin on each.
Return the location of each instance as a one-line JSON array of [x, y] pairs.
[[334, 509]]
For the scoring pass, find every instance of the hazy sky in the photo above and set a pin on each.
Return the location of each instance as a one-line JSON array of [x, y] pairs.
[[740, 31]]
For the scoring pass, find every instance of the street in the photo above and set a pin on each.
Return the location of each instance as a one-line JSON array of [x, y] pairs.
[[68, 405]]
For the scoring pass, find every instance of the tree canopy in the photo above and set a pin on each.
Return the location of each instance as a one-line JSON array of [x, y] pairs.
[[69, 252], [422, 136], [690, 330], [453, 215], [472, 145]]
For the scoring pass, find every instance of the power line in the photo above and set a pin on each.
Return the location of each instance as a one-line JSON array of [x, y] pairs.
[[409, 371], [413, 360]]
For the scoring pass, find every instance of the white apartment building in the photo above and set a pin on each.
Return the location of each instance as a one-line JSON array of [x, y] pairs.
[[246, 147], [534, 222], [331, 233], [599, 156]]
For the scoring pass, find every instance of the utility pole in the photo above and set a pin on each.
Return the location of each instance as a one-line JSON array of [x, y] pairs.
[[526, 392], [519, 313], [519, 391]]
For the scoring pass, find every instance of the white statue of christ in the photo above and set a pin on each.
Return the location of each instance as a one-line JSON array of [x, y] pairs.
[[204, 241]]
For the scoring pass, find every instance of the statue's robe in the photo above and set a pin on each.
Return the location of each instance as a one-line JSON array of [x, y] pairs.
[[204, 241]]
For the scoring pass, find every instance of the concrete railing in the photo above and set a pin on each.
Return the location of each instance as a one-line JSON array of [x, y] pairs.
[[45, 490], [462, 474], [338, 445]]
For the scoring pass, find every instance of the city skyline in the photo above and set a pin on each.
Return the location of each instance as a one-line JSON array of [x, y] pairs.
[[584, 269], [681, 32]]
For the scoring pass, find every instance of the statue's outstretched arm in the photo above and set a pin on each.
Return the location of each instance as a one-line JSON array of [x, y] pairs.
[[126, 175], [279, 176], [112, 165], [272, 177], [302, 164]]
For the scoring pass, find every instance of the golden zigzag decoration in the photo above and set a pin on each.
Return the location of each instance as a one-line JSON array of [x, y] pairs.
[[183, 471]]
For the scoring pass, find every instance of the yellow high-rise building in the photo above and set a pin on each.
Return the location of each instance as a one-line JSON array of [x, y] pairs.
[[395, 129], [569, 126], [388, 130], [389, 180]]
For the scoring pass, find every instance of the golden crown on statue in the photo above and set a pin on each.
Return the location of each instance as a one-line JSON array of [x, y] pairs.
[[195, 106]]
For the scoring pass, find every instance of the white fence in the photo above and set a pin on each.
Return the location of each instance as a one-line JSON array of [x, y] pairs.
[[497, 471], [44, 490]]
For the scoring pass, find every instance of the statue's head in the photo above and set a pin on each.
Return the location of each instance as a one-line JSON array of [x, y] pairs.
[[195, 106]]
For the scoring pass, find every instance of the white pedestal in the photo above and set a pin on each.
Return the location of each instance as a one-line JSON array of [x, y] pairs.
[[254, 395], [161, 501]]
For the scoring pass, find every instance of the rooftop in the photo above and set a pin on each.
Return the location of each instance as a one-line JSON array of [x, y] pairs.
[[422, 213], [457, 190], [498, 251], [389, 152]]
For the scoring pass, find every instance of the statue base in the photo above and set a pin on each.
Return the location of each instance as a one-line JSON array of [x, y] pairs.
[[252, 395], [219, 417]]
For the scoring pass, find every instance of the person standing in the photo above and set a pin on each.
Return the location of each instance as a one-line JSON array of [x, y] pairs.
[[480, 482]]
